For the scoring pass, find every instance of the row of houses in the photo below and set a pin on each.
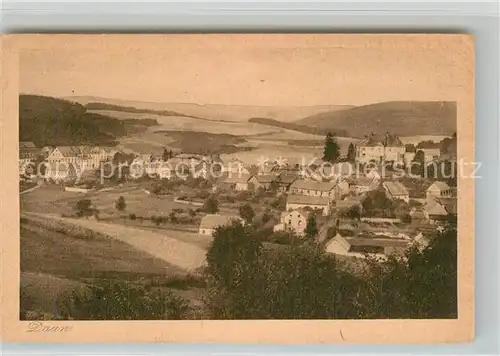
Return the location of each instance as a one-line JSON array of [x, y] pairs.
[[389, 147], [60, 161]]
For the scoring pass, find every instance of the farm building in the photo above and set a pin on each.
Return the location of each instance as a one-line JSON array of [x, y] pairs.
[[397, 191], [438, 189], [294, 221], [212, 221], [303, 201]]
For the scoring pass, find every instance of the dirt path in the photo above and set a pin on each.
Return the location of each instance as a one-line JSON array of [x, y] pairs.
[[181, 254]]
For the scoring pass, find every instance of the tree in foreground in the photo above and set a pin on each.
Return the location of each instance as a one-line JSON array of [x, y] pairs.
[[120, 301], [421, 283], [331, 151], [351, 153], [301, 281], [247, 213], [211, 205], [249, 281], [84, 207], [418, 164], [311, 230], [120, 204]]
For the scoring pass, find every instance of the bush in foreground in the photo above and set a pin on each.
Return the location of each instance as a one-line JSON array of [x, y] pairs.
[[121, 301]]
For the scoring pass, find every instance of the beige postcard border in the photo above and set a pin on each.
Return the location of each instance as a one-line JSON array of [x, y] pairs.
[[252, 331]]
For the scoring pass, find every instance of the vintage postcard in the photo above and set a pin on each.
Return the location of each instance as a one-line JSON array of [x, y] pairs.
[[238, 188]]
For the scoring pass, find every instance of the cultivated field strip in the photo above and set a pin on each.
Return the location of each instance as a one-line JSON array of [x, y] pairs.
[[181, 254]]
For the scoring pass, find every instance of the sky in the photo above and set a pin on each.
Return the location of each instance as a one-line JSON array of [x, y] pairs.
[[273, 71]]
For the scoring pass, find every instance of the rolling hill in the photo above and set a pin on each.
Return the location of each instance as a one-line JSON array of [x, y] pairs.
[[214, 112], [296, 126], [404, 118]]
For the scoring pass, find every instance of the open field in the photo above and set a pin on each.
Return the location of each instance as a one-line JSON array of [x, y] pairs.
[[182, 123], [53, 199], [180, 254], [64, 256], [54, 264]]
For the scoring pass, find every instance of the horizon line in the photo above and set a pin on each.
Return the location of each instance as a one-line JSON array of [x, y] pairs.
[[244, 105]]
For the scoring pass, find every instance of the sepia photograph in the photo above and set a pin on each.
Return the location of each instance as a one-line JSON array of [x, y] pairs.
[[244, 177]]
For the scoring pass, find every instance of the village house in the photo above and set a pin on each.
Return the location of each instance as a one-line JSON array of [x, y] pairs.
[[378, 245], [267, 167], [333, 172], [373, 173], [435, 211], [293, 221], [85, 157], [431, 150], [438, 189], [158, 169], [396, 191], [409, 154], [313, 188], [46, 151], [285, 181], [342, 189], [295, 202], [28, 152], [143, 159], [79, 156], [346, 205], [362, 185], [244, 182], [376, 149], [93, 156], [235, 166], [60, 171], [265, 181], [107, 153], [419, 216], [205, 170], [449, 203], [209, 223]]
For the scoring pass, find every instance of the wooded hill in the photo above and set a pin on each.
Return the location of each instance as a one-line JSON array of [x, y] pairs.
[[51, 121]]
